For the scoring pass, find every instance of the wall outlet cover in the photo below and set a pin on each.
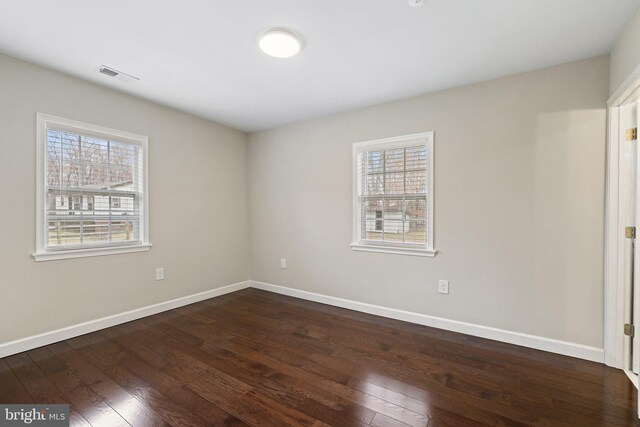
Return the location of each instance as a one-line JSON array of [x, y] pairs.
[[443, 287]]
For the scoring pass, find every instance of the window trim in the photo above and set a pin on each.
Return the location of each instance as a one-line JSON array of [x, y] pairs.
[[60, 123], [358, 244]]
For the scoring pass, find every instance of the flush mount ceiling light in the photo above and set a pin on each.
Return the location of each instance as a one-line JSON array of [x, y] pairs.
[[280, 43]]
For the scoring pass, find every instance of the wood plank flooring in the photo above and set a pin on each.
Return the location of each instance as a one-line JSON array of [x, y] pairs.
[[261, 359]]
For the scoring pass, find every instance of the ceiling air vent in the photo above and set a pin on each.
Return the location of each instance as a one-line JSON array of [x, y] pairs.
[[108, 71]]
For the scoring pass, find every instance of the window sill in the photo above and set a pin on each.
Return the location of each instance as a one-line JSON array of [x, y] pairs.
[[83, 253], [397, 250]]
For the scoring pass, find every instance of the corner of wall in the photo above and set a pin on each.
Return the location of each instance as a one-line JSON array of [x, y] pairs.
[[625, 55]]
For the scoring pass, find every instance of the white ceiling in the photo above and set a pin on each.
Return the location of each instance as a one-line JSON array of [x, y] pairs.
[[201, 56]]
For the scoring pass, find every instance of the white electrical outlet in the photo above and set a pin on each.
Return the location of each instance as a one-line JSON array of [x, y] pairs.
[[443, 287], [160, 273], [283, 263]]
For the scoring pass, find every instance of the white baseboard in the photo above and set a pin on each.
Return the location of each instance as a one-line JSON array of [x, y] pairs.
[[46, 338], [532, 341], [517, 338], [633, 377]]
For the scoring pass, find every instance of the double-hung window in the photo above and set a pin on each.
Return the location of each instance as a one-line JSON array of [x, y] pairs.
[[92, 196], [393, 195]]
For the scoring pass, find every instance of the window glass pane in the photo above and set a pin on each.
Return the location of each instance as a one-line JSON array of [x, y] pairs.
[[96, 231], [372, 207], [70, 160], [54, 156], [374, 162], [393, 231], [123, 229], [394, 183], [373, 230], [64, 232], [101, 204], [416, 182], [121, 166], [415, 232], [95, 158], [394, 160], [416, 209], [374, 184], [393, 209], [417, 157]]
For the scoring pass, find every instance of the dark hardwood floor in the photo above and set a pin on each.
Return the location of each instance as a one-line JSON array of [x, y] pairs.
[[256, 358]]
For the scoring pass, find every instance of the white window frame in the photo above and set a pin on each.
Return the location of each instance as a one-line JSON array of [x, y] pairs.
[[358, 244], [46, 121]]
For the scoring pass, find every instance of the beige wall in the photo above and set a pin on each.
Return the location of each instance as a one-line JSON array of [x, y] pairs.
[[518, 211], [625, 56], [194, 163], [519, 200]]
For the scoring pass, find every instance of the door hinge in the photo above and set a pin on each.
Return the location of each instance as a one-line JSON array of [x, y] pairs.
[[630, 232], [629, 330], [632, 134]]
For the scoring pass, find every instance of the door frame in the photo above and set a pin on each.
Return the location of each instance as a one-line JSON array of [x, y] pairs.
[[617, 186]]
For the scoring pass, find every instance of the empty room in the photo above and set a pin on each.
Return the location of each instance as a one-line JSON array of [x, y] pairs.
[[381, 213]]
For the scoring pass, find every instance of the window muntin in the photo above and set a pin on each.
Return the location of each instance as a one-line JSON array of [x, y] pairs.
[[92, 189], [393, 201]]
